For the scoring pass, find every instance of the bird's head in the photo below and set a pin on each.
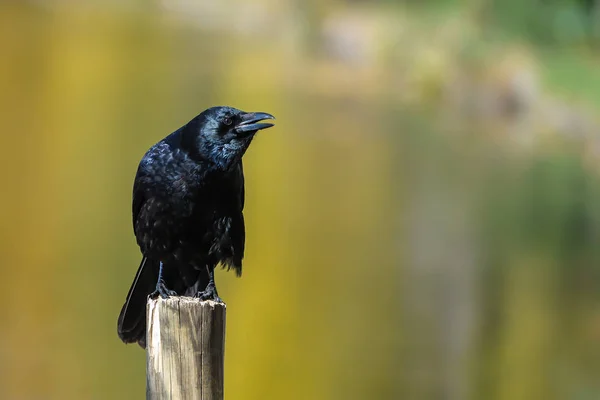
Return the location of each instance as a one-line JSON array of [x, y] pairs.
[[223, 134]]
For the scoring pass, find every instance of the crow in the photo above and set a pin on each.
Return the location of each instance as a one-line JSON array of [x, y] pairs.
[[188, 197]]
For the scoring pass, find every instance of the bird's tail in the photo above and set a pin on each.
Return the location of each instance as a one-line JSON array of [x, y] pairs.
[[132, 320]]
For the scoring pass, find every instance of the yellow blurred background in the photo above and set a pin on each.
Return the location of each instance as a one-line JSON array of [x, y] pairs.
[[422, 223]]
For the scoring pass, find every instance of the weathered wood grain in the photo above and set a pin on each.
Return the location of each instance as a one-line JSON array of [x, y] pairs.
[[185, 349]]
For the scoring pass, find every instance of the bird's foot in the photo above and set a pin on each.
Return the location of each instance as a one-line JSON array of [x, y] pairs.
[[162, 291], [210, 293]]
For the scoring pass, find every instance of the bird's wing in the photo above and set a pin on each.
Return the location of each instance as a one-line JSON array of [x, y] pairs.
[[138, 197], [143, 175]]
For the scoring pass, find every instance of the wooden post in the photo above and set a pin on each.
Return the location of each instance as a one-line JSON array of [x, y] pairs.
[[185, 346]]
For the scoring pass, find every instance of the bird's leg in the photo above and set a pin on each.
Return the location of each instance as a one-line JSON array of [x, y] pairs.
[[161, 288], [210, 292]]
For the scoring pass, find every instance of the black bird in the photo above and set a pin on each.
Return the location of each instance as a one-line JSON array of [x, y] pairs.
[[188, 197]]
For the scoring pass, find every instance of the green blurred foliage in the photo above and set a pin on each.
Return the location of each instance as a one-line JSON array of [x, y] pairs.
[[554, 22], [417, 227]]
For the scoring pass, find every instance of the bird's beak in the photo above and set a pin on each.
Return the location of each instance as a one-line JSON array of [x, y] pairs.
[[250, 122]]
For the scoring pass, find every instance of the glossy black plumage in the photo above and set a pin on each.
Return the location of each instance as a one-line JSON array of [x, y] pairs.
[[188, 197]]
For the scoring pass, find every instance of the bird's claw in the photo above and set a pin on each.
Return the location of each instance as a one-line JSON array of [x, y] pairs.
[[210, 293], [162, 291]]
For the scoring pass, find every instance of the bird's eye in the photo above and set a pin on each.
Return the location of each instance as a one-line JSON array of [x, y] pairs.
[[227, 121]]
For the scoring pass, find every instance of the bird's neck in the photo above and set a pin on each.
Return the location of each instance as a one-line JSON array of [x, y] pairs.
[[217, 158]]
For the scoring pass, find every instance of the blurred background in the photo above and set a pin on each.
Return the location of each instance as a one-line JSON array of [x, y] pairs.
[[422, 223]]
